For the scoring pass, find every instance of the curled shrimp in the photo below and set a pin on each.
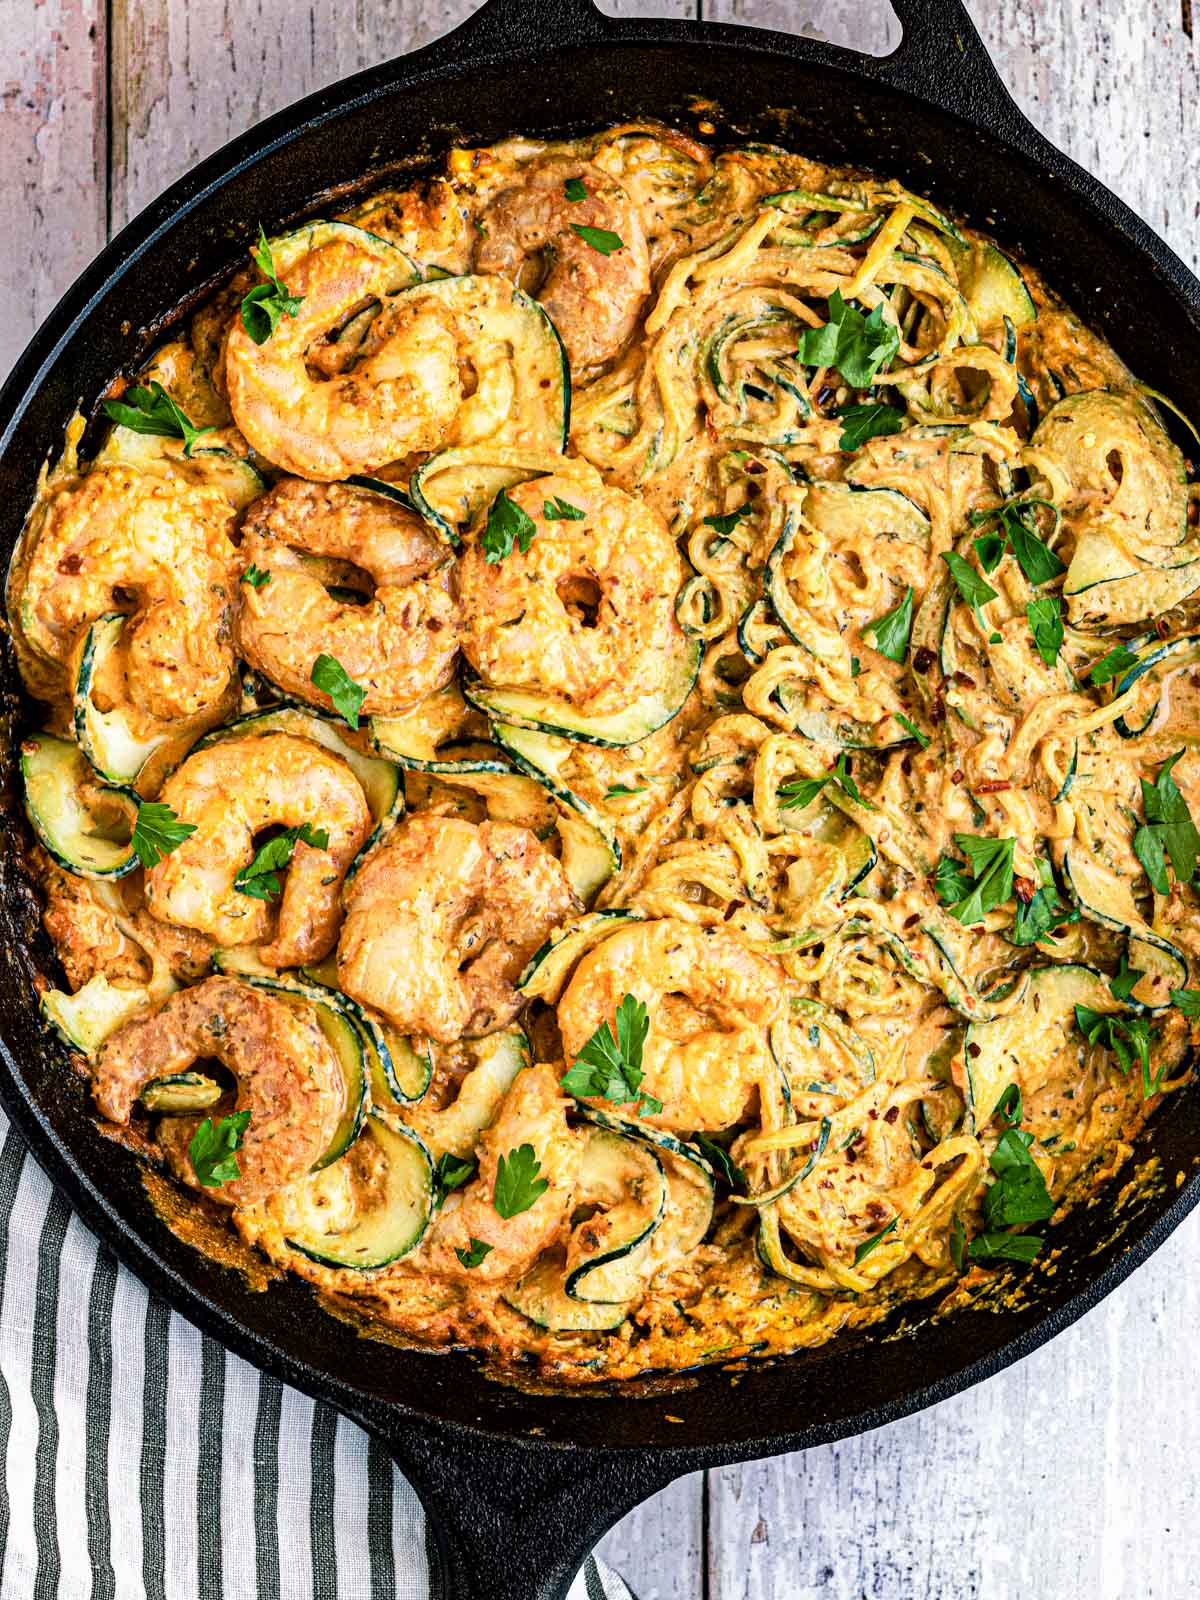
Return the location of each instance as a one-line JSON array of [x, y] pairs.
[[533, 1113], [287, 1078], [123, 540], [312, 416], [441, 920], [399, 645], [230, 793], [710, 999], [592, 291], [587, 612]]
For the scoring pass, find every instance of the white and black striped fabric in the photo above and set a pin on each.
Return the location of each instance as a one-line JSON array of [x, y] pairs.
[[140, 1461]]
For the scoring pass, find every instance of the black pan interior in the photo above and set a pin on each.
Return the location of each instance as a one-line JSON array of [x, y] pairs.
[[1105, 263]]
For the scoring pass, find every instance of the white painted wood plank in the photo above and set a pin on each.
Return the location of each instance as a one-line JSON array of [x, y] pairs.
[[1071, 1474], [52, 156], [658, 1548]]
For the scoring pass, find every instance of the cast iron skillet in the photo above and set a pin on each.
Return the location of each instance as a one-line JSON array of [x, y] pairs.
[[518, 1486]]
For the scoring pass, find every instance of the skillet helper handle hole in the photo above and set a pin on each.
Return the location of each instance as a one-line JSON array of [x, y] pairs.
[[515, 1519]]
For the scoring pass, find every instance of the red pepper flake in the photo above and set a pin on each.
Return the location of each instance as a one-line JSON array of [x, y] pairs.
[[957, 775], [972, 1050], [963, 681], [923, 659], [891, 1113], [993, 786], [1024, 888]]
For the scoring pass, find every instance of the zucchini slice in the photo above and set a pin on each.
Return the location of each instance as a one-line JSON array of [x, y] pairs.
[[992, 286], [691, 1185], [1104, 898], [85, 1019], [105, 737], [430, 737], [623, 1185], [288, 248], [83, 823], [330, 1218], [1153, 664], [334, 1022], [214, 467], [182, 1092], [543, 713], [455, 1129], [519, 412], [382, 782], [399, 1068], [549, 968], [591, 851], [1021, 1048], [541, 1296]]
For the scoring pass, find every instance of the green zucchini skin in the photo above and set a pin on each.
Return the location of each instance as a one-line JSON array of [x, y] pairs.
[[390, 1230], [54, 775], [104, 736], [1109, 902], [335, 1023], [398, 1070], [630, 1178], [598, 845], [523, 708], [549, 968]]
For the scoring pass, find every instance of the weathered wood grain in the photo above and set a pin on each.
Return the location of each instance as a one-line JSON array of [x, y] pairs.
[[53, 135]]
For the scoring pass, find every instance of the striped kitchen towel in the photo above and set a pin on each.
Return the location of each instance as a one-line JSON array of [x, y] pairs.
[[142, 1462]]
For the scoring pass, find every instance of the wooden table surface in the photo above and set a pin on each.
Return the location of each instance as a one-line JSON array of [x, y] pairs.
[[1071, 1474]]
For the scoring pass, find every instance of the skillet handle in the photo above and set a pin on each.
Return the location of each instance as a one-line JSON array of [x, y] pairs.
[[941, 57], [515, 1519]]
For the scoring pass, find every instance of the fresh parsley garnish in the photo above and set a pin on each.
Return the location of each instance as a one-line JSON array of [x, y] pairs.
[[958, 1242], [1128, 1037], [475, 1252], [911, 728], [602, 239], [617, 791], [575, 189], [865, 1248], [720, 1161], [1035, 558], [893, 628], [507, 525], [1125, 980], [451, 1173], [870, 420], [212, 1148], [517, 1184], [803, 791], [857, 346], [330, 676], [255, 578], [157, 831], [1040, 912], [609, 1066], [266, 302], [1112, 665], [557, 510], [260, 879], [969, 892], [1005, 1247], [1019, 1193], [1168, 830], [725, 524], [1011, 1106], [1188, 1001], [974, 589], [1046, 624], [151, 410]]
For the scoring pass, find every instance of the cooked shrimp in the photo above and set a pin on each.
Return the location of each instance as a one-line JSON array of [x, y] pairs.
[[287, 1078], [588, 611], [399, 646], [710, 999], [429, 223], [400, 396], [123, 540], [442, 919], [230, 793], [533, 1113], [529, 235]]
